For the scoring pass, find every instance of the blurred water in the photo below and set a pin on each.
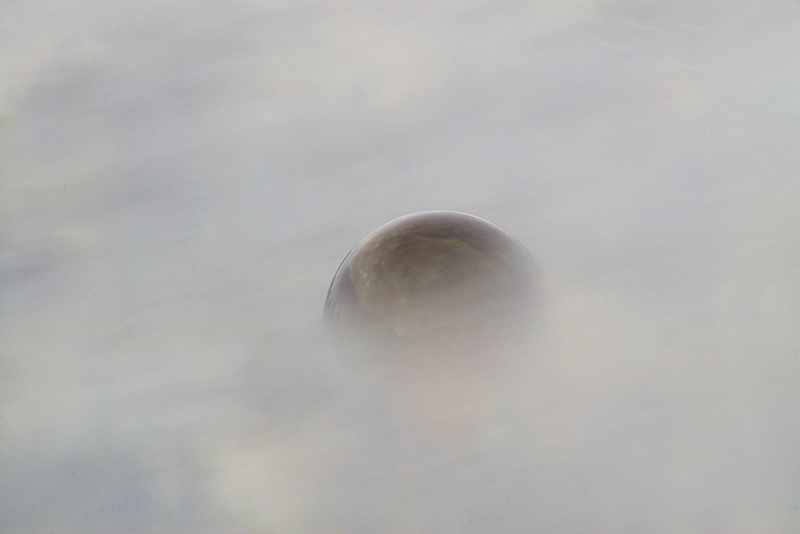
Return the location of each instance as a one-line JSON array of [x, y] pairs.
[[180, 181]]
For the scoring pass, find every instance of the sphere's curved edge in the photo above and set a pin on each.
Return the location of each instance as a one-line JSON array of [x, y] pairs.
[[343, 304], [443, 213], [433, 213]]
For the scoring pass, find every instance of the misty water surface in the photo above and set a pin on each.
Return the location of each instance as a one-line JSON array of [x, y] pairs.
[[180, 181]]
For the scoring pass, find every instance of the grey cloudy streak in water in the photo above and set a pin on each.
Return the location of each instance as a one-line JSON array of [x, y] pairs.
[[180, 182]]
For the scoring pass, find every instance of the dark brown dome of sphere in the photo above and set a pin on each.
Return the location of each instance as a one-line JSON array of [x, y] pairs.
[[432, 272]]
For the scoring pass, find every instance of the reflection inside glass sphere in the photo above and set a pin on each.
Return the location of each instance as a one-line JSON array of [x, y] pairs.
[[433, 275]]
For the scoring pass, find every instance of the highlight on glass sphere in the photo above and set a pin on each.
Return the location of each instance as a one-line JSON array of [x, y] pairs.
[[431, 274]]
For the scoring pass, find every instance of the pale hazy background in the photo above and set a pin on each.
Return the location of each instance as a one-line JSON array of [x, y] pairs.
[[180, 180]]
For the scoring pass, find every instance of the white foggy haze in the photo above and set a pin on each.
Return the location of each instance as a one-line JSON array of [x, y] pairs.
[[179, 182]]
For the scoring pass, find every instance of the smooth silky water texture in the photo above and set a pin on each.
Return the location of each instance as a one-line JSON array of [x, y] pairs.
[[180, 181]]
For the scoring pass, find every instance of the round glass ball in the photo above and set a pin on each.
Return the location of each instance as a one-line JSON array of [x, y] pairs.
[[432, 274]]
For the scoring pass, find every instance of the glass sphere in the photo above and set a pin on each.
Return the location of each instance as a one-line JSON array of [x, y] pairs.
[[433, 273]]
